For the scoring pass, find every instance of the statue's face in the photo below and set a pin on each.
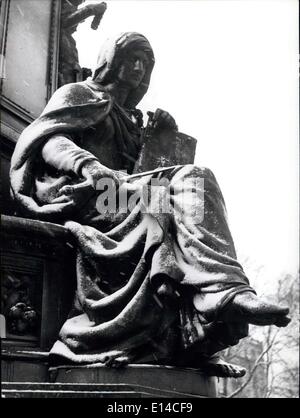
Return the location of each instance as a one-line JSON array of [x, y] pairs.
[[133, 67]]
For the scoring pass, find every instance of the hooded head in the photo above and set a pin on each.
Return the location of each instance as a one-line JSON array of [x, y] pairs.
[[110, 60]]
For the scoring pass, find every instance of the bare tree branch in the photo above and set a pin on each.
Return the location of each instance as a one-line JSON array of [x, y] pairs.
[[275, 371], [252, 371]]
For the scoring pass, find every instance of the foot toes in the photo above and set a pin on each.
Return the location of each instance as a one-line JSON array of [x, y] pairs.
[[247, 307], [284, 310], [282, 322], [231, 371], [223, 369], [228, 370], [238, 371]]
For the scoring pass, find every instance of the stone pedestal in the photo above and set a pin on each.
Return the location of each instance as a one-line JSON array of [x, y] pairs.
[[43, 253], [151, 380], [25, 374], [37, 270]]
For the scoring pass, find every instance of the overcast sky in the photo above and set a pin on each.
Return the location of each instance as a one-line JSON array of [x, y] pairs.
[[227, 70]]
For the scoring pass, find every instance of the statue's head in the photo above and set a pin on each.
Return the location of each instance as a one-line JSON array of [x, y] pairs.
[[128, 59]]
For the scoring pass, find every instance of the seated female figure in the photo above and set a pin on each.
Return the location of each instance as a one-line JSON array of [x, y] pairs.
[[152, 286]]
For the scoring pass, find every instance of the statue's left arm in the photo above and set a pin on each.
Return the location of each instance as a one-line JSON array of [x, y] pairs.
[[162, 119], [72, 109]]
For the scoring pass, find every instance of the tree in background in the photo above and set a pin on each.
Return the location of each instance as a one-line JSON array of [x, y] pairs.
[[270, 354]]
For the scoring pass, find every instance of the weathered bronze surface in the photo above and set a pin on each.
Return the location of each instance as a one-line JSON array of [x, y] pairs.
[[153, 286]]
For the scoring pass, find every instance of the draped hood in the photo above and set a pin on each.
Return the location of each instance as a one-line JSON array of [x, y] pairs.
[[109, 60]]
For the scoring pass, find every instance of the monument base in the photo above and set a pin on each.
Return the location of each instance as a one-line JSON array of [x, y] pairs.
[[152, 380], [25, 377]]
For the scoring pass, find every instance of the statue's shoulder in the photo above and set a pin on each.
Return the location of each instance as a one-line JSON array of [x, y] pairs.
[[76, 94], [71, 87]]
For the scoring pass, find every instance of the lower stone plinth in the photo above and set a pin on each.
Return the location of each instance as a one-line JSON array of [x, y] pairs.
[[150, 379], [25, 373]]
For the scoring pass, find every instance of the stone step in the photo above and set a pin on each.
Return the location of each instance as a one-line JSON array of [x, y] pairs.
[[56, 387], [13, 393], [69, 390], [26, 389], [23, 375], [168, 381]]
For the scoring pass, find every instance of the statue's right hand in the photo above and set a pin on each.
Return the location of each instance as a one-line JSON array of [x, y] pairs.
[[97, 10], [93, 172]]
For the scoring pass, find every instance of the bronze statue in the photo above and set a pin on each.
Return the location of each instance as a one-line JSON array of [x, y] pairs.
[[152, 287]]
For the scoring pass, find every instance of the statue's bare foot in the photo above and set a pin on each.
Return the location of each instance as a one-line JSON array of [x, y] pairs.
[[250, 308], [220, 368]]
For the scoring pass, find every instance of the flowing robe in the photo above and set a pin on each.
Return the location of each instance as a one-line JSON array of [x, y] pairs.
[[151, 286]]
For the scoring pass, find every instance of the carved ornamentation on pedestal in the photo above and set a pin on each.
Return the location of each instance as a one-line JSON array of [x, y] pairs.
[[36, 281], [18, 294]]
